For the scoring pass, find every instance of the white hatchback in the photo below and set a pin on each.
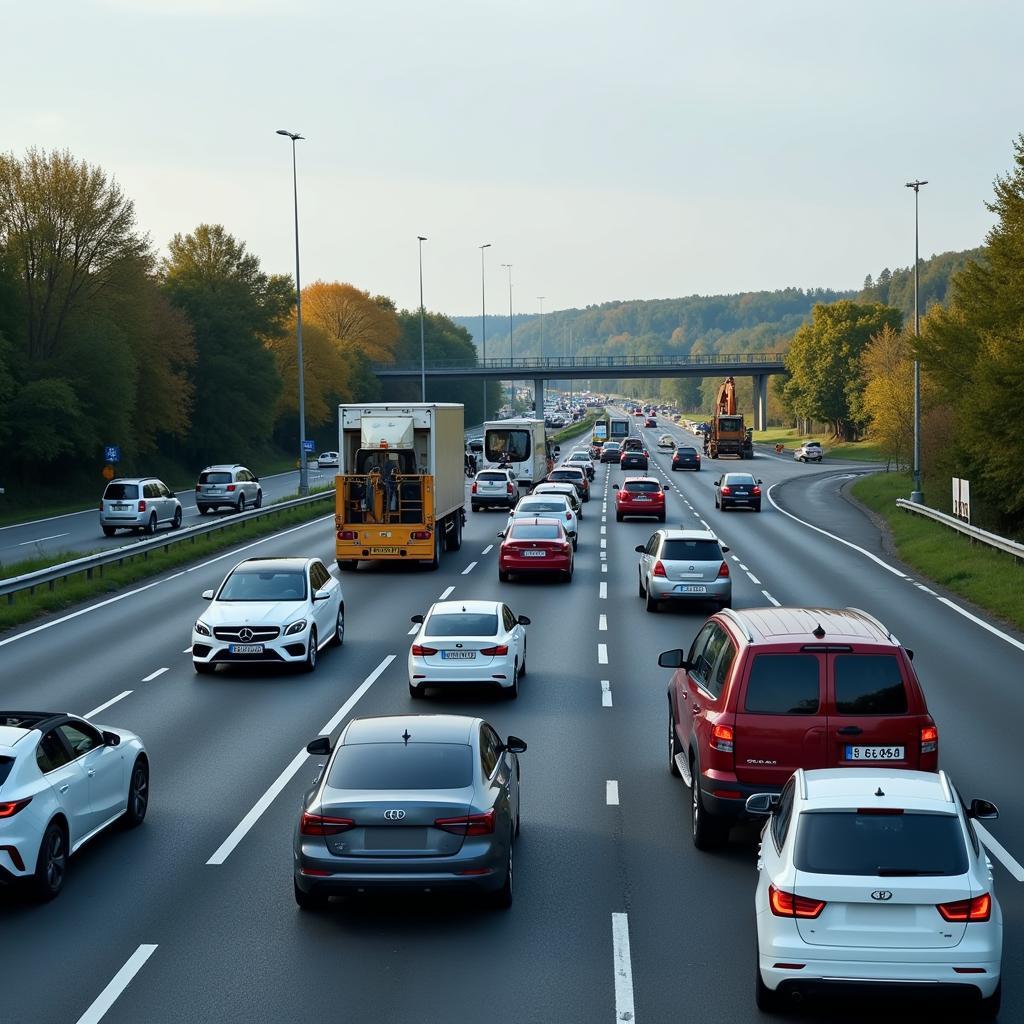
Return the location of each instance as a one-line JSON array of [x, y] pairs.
[[552, 506], [468, 643], [872, 880]]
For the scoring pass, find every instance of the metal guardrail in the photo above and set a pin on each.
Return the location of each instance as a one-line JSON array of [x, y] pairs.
[[1011, 547], [587, 362], [88, 564]]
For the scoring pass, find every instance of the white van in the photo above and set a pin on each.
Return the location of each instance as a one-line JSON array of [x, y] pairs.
[[520, 445]]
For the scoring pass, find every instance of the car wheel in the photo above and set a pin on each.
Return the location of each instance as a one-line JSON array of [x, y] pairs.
[[673, 744], [108, 531], [522, 667], [203, 509], [640, 586], [708, 832], [475, 508], [138, 794], [151, 525], [415, 691], [176, 521], [651, 604], [502, 898], [346, 564], [504, 576], [661, 518], [309, 901], [618, 517], [203, 668], [767, 1000], [568, 576], [309, 665], [757, 507], [241, 504], [339, 628], [259, 500], [988, 1009], [575, 543], [52, 862], [512, 692]]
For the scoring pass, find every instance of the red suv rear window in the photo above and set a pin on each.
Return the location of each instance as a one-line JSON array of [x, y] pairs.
[[869, 684], [783, 684]]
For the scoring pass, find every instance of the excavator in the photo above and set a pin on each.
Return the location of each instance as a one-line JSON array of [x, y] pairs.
[[728, 435]]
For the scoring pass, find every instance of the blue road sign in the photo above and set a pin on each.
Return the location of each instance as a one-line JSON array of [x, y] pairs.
[[112, 453], [309, 446]]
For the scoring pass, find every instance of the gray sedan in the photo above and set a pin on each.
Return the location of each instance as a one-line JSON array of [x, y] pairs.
[[410, 802]]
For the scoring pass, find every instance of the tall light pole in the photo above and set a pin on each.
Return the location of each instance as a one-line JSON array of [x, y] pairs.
[[303, 470], [423, 349], [511, 383], [540, 298], [917, 496], [483, 320]]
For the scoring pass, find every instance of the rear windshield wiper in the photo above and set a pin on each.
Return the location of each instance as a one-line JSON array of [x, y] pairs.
[[886, 872]]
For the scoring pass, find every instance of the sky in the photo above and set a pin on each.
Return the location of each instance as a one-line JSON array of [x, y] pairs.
[[607, 150]]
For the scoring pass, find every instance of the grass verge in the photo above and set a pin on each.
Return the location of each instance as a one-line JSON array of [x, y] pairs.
[[859, 451], [991, 579], [27, 605]]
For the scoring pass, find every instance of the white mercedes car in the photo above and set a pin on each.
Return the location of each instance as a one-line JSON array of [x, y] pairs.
[[874, 880], [63, 780], [468, 643], [280, 611]]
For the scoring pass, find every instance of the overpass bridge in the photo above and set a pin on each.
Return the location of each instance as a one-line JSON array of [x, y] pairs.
[[541, 369]]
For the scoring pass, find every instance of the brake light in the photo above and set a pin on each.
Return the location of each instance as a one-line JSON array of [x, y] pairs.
[[568, 517], [321, 825], [723, 571], [977, 909], [726, 489], [566, 547], [787, 904], [198, 488], [230, 487], [493, 652], [420, 535], [756, 491], [929, 739], [659, 569], [346, 535], [418, 651], [469, 825], [509, 487], [10, 808], [722, 738], [472, 489], [142, 506]]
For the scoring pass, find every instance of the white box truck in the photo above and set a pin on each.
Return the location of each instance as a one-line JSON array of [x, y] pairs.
[[520, 445]]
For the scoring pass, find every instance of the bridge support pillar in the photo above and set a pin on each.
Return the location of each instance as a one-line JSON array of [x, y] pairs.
[[538, 399], [761, 402]]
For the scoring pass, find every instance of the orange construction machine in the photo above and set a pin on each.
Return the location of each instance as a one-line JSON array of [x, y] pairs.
[[728, 434]]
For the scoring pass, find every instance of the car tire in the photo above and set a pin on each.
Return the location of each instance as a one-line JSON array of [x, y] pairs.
[[138, 794], [640, 586], [673, 745], [522, 667], [618, 517], [512, 692], [708, 832], [415, 691], [575, 543], [176, 521], [988, 1008], [202, 509], [757, 507], [51, 864], [309, 901], [309, 665], [727, 603], [203, 668], [502, 898], [650, 604], [339, 628], [767, 1000], [108, 531], [661, 518], [453, 539], [240, 507], [151, 525], [346, 564], [504, 576], [258, 503], [475, 508]]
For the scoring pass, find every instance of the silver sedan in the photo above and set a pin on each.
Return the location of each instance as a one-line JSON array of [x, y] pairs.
[[418, 802]]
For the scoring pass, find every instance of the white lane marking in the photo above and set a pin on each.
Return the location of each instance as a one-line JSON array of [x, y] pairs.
[[157, 583], [469, 568], [120, 981], [154, 675], [735, 558], [1002, 854], [604, 567], [415, 629], [604, 542], [487, 549], [604, 519], [742, 566], [39, 540], [602, 654], [188, 650], [604, 529], [223, 851], [927, 590], [602, 591], [624, 1009], [697, 515], [446, 593], [104, 706], [606, 693], [980, 622], [611, 792], [706, 527], [778, 604], [754, 579], [602, 623], [604, 554]]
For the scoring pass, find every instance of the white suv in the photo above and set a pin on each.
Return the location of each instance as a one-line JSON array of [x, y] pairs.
[[809, 451], [232, 487], [138, 503], [872, 878]]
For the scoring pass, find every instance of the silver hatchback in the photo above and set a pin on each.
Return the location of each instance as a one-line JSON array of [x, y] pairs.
[[232, 487], [494, 488], [138, 503], [684, 565]]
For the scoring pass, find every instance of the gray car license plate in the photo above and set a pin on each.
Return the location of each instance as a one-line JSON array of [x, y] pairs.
[[457, 655], [245, 648], [859, 753], [690, 588]]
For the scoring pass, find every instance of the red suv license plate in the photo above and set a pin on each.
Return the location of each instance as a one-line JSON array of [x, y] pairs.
[[858, 753]]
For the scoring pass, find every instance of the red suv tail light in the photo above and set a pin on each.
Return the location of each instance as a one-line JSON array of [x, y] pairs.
[[142, 506], [493, 652], [470, 825], [419, 651], [929, 739], [472, 489], [320, 825], [787, 904], [977, 909], [9, 808], [722, 738], [723, 571], [659, 569]]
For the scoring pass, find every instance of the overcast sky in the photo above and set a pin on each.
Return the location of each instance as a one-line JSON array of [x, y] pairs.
[[651, 148]]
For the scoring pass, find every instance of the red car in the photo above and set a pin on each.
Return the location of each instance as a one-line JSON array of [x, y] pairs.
[[639, 496], [764, 691], [535, 545], [650, 422]]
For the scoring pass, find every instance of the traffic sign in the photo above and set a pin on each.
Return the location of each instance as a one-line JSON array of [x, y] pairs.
[[309, 446], [112, 453]]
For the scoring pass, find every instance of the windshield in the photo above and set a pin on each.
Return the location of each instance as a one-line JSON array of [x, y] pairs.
[[402, 766], [536, 531], [516, 443], [119, 492], [270, 585], [462, 624], [620, 428]]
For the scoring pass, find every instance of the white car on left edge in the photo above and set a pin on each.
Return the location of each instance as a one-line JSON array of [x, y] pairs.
[[468, 643], [63, 780], [280, 611]]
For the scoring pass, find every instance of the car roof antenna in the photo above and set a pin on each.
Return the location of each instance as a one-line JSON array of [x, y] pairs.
[[878, 792], [818, 632], [406, 737]]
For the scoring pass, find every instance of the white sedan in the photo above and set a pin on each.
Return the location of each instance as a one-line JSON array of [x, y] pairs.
[[468, 643], [547, 506], [280, 611], [64, 781], [875, 878]]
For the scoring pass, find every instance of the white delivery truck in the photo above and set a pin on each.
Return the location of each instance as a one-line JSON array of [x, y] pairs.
[[520, 445]]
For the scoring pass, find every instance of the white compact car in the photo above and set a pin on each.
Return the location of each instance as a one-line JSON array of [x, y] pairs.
[[280, 611], [494, 488], [468, 643], [547, 506], [809, 451], [63, 780], [327, 460], [569, 490], [871, 880]]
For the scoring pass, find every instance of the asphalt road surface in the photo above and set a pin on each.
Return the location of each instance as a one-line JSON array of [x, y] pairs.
[[616, 918]]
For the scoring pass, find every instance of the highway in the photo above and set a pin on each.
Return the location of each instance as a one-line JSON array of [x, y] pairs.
[[191, 918]]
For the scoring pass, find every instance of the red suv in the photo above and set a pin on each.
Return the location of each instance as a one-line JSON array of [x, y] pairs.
[[764, 691], [639, 496]]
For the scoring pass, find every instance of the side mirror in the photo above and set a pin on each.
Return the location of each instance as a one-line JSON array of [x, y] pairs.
[[514, 745], [762, 803], [418, 619], [673, 659], [725, 547], [910, 654], [557, 449], [321, 745], [983, 809], [322, 595], [666, 488], [500, 536], [207, 595], [256, 479], [718, 482], [523, 620], [111, 739], [615, 486], [760, 481], [640, 549]]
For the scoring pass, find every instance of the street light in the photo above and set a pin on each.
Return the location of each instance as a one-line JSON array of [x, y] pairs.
[[916, 495], [303, 470], [483, 320], [511, 383], [540, 299], [423, 357]]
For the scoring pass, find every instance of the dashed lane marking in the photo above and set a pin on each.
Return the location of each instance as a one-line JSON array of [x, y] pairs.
[[602, 654], [107, 704], [469, 568], [1001, 853], [154, 675], [611, 792], [602, 591], [623, 968], [446, 593], [604, 542], [188, 650], [487, 549], [606, 693], [604, 567], [602, 623], [415, 629], [120, 981], [778, 604], [754, 579], [742, 566], [604, 529]]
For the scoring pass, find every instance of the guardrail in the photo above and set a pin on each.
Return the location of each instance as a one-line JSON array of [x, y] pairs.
[[88, 564], [1011, 547]]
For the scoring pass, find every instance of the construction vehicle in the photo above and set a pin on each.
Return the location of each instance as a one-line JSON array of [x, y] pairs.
[[400, 489], [728, 434]]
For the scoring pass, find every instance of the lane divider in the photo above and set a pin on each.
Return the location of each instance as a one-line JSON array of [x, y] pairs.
[[120, 981], [606, 693], [154, 675], [487, 549], [446, 593], [602, 623], [602, 591], [602, 654], [623, 969], [778, 604], [104, 706], [611, 792], [469, 568]]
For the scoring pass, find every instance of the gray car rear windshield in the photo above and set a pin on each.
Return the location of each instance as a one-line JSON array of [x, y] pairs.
[[855, 843], [463, 624], [528, 531], [120, 492], [215, 478], [264, 586], [692, 551], [401, 766]]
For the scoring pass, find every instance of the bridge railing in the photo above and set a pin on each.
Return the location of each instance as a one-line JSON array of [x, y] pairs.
[[587, 362]]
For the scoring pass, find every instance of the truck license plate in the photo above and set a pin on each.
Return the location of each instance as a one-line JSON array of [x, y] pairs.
[[388, 550]]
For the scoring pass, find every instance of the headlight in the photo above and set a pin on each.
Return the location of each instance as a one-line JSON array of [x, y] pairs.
[[295, 627], [201, 628]]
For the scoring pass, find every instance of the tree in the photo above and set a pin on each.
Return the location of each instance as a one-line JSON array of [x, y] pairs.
[[888, 371], [352, 319], [326, 378]]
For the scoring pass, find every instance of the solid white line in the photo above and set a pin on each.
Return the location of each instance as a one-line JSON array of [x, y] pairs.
[[154, 675], [602, 654], [602, 623], [754, 579], [980, 622], [624, 1010], [415, 629], [778, 604], [602, 591], [120, 981], [446, 593], [469, 568], [223, 851], [39, 540], [103, 707], [1002, 854], [611, 792], [487, 549]]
